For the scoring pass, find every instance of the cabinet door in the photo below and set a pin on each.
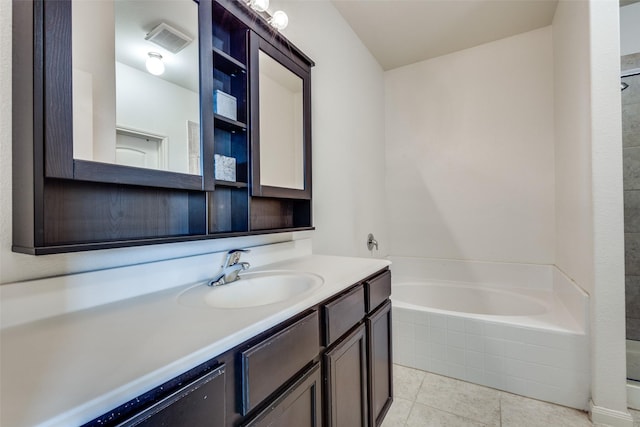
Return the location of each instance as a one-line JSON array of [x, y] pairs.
[[280, 137], [198, 404], [299, 405], [380, 363], [346, 381]]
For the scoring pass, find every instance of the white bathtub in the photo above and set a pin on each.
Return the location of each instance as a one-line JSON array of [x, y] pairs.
[[468, 298], [515, 327]]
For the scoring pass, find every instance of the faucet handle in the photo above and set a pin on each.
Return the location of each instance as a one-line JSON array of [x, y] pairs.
[[371, 242], [233, 256], [231, 251]]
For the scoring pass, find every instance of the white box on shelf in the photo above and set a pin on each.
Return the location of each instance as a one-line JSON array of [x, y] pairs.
[[224, 168], [225, 105]]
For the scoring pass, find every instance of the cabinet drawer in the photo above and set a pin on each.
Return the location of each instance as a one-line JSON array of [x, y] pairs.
[[378, 290], [342, 314], [272, 362], [201, 402]]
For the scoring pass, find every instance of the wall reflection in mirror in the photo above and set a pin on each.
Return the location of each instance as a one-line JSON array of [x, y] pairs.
[[281, 125], [136, 83]]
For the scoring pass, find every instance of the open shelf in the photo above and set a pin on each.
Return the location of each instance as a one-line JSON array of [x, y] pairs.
[[274, 213], [230, 184], [228, 124], [227, 64], [228, 210]]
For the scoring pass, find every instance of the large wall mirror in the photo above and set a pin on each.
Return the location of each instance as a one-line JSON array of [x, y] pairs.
[[281, 129], [135, 84]]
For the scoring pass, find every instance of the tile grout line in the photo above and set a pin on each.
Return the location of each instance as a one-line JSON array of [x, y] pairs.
[[453, 413], [501, 399], [415, 397], [405, 423]]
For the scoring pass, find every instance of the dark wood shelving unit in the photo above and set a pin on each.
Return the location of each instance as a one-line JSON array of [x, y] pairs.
[[229, 204], [62, 204]]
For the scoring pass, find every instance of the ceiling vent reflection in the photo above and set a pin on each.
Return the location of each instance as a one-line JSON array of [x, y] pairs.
[[169, 38]]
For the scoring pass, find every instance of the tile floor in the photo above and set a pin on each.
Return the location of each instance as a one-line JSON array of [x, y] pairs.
[[424, 399]]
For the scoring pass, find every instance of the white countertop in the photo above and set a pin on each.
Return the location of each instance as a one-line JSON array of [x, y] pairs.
[[67, 370]]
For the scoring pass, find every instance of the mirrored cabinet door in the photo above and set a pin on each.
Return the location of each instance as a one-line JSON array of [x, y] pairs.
[[281, 122], [136, 88], [126, 79]]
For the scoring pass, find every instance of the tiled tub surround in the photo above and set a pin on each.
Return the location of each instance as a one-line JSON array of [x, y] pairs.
[[631, 162], [544, 355], [93, 354]]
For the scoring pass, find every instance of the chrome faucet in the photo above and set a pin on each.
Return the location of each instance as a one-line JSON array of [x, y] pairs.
[[371, 242], [231, 268]]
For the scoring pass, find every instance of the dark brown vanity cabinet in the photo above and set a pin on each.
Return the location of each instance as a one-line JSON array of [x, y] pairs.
[[329, 366], [358, 360], [65, 202]]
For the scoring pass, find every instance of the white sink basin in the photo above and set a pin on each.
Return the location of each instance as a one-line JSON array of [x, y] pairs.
[[252, 290]]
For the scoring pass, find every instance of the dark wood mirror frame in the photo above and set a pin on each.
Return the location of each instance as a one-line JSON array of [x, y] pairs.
[[52, 33], [61, 204], [302, 70]]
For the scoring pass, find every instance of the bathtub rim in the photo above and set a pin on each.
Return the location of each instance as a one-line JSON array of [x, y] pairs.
[[568, 298], [537, 297]]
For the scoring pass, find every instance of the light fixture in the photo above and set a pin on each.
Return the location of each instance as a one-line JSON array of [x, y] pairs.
[[259, 5], [154, 63], [279, 20]]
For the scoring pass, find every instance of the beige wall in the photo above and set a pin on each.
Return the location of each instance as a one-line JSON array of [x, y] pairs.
[[590, 247], [574, 215], [469, 153], [348, 130]]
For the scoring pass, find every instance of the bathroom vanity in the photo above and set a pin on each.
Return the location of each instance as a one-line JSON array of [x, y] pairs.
[[321, 358], [277, 377]]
